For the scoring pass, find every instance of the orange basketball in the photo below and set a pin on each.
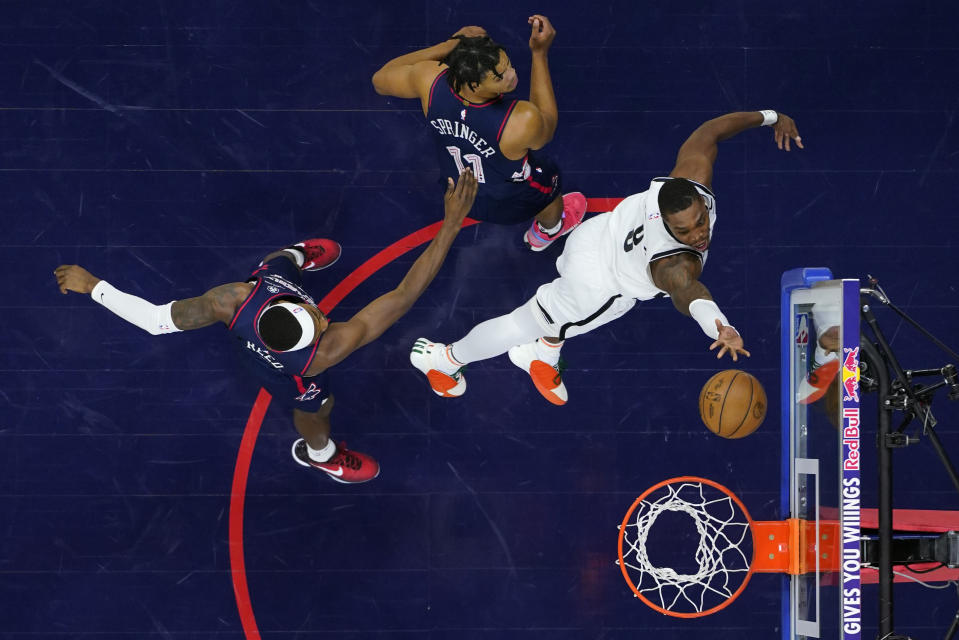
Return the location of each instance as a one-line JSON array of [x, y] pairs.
[[732, 404]]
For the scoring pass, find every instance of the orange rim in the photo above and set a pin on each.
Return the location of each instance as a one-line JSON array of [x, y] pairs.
[[622, 535]]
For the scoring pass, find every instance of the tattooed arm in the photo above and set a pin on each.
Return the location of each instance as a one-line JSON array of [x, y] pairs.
[[219, 304], [679, 277]]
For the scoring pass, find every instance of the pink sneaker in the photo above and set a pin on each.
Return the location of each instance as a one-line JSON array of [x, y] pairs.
[[574, 208], [320, 253]]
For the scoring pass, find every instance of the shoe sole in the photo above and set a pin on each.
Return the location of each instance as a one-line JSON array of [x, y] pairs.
[[542, 376], [445, 386], [829, 370], [442, 384]]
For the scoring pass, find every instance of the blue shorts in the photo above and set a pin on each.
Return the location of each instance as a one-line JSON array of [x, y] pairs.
[[281, 266], [514, 202], [291, 392]]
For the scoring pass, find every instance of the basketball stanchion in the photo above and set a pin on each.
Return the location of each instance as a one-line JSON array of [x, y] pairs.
[[731, 546]]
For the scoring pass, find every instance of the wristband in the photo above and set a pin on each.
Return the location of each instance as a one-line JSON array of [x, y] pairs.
[[705, 312], [770, 117], [151, 318]]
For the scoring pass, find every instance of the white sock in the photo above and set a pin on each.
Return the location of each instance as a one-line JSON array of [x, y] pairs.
[[554, 229], [298, 255], [443, 360], [321, 455], [547, 351], [495, 337]]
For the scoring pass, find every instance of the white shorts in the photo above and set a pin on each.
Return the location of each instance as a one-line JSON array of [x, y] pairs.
[[584, 297]]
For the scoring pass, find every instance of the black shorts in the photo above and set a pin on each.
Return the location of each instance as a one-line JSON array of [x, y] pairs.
[[514, 202]]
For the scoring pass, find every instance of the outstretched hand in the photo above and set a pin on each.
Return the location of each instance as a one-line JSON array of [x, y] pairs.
[[785, 130], [542, 34], [73, 277], [730, 340], [459, 197]]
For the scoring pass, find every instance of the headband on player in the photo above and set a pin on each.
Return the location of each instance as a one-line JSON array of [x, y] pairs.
[[288, 323]]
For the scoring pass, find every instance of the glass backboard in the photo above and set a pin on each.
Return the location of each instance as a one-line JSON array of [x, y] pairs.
[[821, 452]]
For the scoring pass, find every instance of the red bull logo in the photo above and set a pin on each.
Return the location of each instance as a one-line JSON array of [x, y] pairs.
[[850, 374]]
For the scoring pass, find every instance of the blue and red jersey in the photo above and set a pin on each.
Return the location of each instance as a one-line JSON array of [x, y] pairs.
[[276, 280], [468, 135]]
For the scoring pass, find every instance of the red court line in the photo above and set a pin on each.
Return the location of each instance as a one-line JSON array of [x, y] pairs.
[[600, 205], [237, 500], [245, 454]]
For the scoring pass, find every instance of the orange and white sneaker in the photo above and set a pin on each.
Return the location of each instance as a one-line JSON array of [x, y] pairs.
[[818, 380], [347, 467], [428, 357], [547, 378], [574, 208]]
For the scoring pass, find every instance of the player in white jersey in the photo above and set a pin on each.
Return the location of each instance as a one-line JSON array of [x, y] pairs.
[[653, 245]]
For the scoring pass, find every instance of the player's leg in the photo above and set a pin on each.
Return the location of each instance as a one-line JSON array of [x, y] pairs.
[[311, 404], [443, 364], [561, 215], [824, 364], [310, 255], [568, 307], [580, 300], [317, 450]]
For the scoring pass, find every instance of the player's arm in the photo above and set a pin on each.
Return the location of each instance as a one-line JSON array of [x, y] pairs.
[[698, 154], [216, 305], [533, 123], [679, 277], [410, 75], [343, 338]]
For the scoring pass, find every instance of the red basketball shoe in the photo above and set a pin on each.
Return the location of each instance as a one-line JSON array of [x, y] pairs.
[[348, 467], [319, 253]]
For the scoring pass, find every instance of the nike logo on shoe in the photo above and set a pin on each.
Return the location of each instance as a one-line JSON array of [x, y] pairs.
[[334, 472]]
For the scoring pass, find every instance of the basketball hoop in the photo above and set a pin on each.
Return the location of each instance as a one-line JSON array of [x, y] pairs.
[[731, 547]]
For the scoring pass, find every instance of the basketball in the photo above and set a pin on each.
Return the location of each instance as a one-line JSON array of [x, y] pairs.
[[732, 404]]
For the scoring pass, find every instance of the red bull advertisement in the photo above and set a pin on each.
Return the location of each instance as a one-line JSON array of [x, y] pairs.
[[850, 373], [850, 465]]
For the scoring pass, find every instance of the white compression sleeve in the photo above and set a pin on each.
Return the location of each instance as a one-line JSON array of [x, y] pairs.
[[705, 312], [146, 315], [494, 337]]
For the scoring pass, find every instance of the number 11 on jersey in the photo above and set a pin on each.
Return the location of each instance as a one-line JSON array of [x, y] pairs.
[[476, 162]]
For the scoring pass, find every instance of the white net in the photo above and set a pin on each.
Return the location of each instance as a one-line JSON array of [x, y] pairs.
[[721, 557]]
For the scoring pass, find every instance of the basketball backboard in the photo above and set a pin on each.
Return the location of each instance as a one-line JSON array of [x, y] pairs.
[[821, 451]]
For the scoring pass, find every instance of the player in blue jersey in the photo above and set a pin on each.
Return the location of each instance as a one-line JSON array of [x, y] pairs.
[[282, 336], [461, 84]]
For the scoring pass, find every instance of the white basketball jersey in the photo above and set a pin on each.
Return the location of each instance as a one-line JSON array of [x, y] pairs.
[[638, 236]]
